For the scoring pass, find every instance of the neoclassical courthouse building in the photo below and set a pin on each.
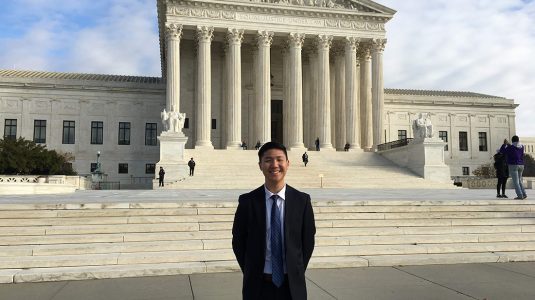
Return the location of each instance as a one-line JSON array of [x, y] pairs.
[[245, 70]]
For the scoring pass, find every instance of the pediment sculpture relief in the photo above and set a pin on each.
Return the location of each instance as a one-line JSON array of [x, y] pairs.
[[348, 4]]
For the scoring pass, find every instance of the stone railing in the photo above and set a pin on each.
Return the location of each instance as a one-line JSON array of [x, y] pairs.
[[42, 184], [19, 178]]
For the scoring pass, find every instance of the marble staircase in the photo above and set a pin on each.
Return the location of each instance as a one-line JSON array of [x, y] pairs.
[[52, 242], [238, 169]]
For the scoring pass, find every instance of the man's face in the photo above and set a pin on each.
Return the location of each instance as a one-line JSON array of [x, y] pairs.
[[274, 165]]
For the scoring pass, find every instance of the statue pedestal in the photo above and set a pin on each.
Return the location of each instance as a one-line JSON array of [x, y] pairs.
[[172, 145], [426, 158]]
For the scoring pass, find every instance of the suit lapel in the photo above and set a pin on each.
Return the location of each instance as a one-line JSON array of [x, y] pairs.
[[259, 203], [288, 211]]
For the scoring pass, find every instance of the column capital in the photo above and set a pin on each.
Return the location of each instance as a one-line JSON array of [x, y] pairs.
[[205, 33], [365, 52], [378, 45], [264, 38], [234, 36], [324, 41], [173, 31], [296, 40], [352, 43]]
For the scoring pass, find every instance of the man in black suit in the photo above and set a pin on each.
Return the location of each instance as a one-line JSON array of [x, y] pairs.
[[273, 233]]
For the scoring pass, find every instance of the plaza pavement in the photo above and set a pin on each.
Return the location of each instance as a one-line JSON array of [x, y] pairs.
[[490, 281]]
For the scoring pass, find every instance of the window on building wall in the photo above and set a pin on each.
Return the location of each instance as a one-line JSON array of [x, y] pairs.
[[39, 131], [463, 141], [466, 170], [10, 129], [93, 167], [68, 132], [150, 168], [123, 168], [483, 141], [444, 136], [151, 130], [124, 133], [214, 124], [97, 132], [402, 134], [186, 123]]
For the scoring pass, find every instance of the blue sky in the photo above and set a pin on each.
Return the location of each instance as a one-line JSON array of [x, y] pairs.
[[484, 46]]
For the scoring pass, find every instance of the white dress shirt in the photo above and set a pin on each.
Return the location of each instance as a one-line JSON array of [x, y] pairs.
[[280, 203]]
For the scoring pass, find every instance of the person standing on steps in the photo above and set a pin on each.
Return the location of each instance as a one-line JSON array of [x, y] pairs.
[[317, 143], [305, 158], [514, 155], [161, 175], [502, 173], [273, 233], [191, 165]]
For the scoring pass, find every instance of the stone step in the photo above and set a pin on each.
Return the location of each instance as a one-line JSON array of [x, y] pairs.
[[22, 262], [162, 269]]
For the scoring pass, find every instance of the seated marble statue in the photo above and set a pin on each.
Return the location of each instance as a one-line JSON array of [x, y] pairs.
[[422, 127]]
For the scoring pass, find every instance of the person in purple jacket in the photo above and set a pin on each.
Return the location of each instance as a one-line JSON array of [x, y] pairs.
[[514, 155]]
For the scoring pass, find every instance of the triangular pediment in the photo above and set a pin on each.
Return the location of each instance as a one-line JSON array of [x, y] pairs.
[[354, 5]]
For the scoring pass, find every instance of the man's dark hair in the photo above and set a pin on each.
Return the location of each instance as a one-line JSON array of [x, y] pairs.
[[271, 145], [515, 139]]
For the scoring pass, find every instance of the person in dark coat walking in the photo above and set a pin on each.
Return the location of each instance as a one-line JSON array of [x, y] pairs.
[[191, 165], [502, 173], [305, 158], [161, 175], [317, 143]]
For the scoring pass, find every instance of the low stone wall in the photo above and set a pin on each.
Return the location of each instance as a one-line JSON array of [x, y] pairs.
[[36, 184], [490, 183]]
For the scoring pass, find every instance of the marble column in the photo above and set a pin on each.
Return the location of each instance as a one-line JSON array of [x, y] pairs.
[[234, 138], [285, 51], [307, 103], [173, 33], [324, 91], [378, 97], [263, 85], [352, 94], [366, 98], [295, 97], [314, 125], [341, 111], [204, 88], [332, 99]]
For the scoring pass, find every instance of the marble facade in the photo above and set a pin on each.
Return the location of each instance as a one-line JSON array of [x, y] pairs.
[[252, 71]]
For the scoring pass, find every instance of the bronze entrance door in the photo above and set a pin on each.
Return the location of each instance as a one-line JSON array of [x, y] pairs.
[[276, 121]]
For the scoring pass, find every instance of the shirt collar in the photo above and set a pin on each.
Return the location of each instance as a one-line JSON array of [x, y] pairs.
[[281, 193]]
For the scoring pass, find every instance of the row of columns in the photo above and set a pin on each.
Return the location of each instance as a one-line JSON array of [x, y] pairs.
[[358, 124]]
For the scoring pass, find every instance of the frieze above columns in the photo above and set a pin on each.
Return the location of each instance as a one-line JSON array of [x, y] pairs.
[[344, 19]]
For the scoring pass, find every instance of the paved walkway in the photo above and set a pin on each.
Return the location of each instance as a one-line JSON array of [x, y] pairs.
[[232, 195], [492, 281]]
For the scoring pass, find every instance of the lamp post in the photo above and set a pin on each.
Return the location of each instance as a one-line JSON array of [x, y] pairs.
[[96, 176]]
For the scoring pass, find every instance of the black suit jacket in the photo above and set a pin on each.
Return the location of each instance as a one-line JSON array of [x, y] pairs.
[[249, 240]]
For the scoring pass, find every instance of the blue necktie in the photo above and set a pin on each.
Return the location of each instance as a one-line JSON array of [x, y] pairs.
[[277, 269]]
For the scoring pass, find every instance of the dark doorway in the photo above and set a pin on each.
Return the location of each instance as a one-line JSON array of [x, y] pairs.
[[276, 121]]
